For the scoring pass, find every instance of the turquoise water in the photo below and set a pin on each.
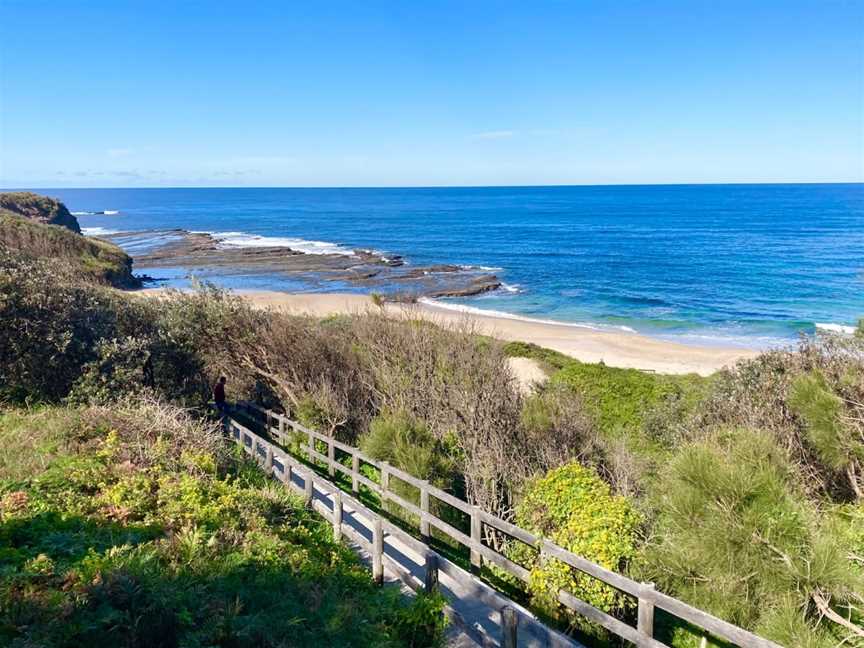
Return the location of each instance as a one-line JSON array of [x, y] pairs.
[[722, 264]]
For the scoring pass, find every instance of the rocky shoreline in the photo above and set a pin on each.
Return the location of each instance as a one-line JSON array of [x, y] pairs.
[[203, 254]]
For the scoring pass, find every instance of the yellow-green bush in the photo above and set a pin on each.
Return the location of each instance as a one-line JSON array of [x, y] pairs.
[[575, 509]]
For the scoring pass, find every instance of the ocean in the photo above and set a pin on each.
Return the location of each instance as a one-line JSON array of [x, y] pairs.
[[739, 265]]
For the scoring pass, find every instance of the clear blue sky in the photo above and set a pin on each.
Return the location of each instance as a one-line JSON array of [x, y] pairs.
[[255, 93]]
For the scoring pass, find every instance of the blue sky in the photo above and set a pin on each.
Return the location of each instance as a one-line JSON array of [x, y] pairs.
[[104, 94]]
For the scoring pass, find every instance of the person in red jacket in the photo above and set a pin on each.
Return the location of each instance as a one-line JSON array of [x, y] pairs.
[[219, 395]]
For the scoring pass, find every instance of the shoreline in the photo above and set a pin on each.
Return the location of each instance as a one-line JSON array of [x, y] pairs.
[[614, 348]]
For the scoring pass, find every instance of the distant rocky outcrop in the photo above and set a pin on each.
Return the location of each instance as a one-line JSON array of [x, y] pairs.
[[388, 275], [40, 209], [40, 227]]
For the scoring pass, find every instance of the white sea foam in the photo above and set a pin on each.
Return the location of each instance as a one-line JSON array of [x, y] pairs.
[[835, 328], [97, 231], [482, 268], [511, 288], [107, 212], [461, 308], [242, 239]]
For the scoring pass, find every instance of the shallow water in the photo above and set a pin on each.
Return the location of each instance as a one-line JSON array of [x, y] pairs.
[[705, 264]]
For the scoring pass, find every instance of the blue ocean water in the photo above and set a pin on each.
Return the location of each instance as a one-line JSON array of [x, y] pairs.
[[707, 264]]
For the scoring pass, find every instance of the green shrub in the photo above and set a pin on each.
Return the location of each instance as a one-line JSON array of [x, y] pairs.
[[574, 508], [733, 536], [409, 445], [794, 394], [828, 427], [622, 398], [133, 532]]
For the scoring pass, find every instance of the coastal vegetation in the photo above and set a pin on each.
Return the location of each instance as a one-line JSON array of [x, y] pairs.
[[740, 493], [41, 227]]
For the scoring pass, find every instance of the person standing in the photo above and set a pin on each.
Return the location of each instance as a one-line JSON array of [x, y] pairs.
[[219, 396]]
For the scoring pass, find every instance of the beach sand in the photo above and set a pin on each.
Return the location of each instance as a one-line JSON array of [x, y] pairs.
[[617, 349]]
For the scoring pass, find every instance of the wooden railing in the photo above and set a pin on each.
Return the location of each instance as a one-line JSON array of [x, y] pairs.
[[279, 427]]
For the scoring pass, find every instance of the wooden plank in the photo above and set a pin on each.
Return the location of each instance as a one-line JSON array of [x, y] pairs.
[[355, 470], [476, 539], [712, 624], [385, 477], [447, 498], [430, 582], [645, 624], [612, 624], [505, 563], [424, 509], [331, 458], [308, 485], [337, 514], [600, 573], [510, 529], [377, 551], [509, 627]]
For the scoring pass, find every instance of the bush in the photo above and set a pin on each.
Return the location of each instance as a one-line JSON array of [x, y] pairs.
[[135, 533], [574, 508], [734, 537], [51, 326], [770, 392], [409, 445], [622, 399], [59, 336]]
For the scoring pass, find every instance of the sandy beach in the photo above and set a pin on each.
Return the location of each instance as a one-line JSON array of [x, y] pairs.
[[618, 349]]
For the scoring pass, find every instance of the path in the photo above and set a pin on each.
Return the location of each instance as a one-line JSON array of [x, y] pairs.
[[475, 608]]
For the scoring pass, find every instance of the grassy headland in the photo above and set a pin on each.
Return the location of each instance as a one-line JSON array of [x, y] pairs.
[[41, 227], [740, 492]]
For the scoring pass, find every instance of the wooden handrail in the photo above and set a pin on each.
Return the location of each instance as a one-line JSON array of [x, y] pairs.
[[648, 597]]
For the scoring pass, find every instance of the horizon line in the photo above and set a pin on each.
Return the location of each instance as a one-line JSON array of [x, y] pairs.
[[447, 186]]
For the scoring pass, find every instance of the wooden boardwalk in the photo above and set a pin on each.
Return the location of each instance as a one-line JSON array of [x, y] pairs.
[[486, 616]]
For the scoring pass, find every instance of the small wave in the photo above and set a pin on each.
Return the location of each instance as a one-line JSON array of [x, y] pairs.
[[472, 310], [482, 268], [97, 231], [107, 212], [242, 239], [511, 288], [835, 328]]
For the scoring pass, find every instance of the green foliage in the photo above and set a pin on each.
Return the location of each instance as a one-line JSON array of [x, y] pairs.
[[60, 337], [823, 413], [120, 539], [554, 359], [622, 398], [85, 258], [734, 537], [407, 444], [574, 508]]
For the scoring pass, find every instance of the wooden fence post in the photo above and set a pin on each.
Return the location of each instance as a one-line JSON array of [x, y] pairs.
[[282, 429], [509, 627], [307, 488], [355, 470], [476, 528], [331, 457], [424, 507], [377, 552], [646, 614], [268, 462], [337, 515], [385, 480], [430, 583], [311, 448]]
